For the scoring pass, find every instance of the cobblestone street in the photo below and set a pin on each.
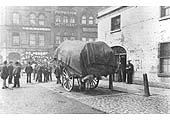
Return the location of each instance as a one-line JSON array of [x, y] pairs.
[[116, 102], [52, 98]]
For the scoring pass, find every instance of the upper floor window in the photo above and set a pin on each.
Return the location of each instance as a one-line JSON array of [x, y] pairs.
[[91, 20], [57, 18], [83, 20], [72, 20], [165, 11], [41, 20], [41, 40], [65, 19], [15, 38], [32, 39], [32, 19], [115, 23], [15, 18]]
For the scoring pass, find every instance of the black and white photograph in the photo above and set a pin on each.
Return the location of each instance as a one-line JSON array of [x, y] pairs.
[[84, 59]]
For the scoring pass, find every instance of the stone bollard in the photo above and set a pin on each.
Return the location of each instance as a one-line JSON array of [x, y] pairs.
[[146, 85], [111, 81]]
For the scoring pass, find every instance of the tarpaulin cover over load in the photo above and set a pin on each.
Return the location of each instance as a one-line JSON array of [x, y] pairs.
[[86, 57]]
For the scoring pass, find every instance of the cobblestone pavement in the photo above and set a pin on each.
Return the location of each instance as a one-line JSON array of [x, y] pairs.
[[116, 102]]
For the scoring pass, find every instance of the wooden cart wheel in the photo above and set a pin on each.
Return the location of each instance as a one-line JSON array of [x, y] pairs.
[[92, 84], [67, 80]]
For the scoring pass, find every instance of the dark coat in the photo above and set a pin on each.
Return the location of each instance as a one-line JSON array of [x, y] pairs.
[[10, 69], [4, 72], [16, 72], [29, 69], [57, 72]]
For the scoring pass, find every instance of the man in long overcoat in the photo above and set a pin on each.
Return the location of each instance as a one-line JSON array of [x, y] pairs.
[[16, 74], [28, 71], [10, 72]]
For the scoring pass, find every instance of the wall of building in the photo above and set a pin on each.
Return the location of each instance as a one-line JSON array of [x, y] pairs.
[[140, 34]]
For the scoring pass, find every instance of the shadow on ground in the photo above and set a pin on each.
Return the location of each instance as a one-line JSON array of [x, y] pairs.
[[95, 92]]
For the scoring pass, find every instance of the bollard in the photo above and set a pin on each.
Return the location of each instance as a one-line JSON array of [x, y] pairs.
[[111, 81], [146, 85]]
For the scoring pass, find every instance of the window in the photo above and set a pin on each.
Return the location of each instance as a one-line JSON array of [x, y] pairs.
[[58, 40], [15, 18], [65, 19], [57, 18], [32, 19], [91, 20], [165, 11], [41, 40], [83, 21], [164, 58], [32, 39], [72, 20], [41, 20], [83, 39], [15, 38], [115, 23]]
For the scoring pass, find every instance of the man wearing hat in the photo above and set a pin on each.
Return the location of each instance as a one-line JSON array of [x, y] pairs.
[[16, 74], [10, 71], [129, 71], [29, 70]]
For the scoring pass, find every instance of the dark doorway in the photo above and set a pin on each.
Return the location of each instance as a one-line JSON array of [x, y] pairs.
[[120, 56]]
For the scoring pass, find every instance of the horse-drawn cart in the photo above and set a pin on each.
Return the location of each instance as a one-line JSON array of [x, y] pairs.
[[79, 59]]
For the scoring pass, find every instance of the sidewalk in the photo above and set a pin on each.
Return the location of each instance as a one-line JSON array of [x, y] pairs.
[[134, 88]]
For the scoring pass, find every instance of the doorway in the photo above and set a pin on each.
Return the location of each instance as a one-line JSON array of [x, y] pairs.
[[121, 57]]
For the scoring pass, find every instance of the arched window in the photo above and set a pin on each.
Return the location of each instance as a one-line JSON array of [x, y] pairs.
[[32, 19], [41, 20], [15, 38], [15, 18], [91, 20], [83, 20]]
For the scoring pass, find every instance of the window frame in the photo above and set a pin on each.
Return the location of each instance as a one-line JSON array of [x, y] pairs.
[[31, 40], [15, 34], [41, 19], [115, 27], [91, 20], [84, 20], [31, 18], [15, 18], [40, 43], [161, 57]]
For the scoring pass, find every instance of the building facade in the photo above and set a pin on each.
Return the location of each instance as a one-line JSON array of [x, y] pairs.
[[33, 33], [140, 34], [75, 23], [27, 33]]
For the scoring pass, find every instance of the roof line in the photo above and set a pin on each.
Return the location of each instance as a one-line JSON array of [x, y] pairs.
[[111, 11]]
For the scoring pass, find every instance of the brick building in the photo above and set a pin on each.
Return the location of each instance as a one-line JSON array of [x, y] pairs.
[[140, 34], [26, 33], [31, 33]]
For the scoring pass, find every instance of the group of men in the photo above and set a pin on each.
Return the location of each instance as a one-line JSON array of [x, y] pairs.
[[121, 72], [9, 71], [39, 70]]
